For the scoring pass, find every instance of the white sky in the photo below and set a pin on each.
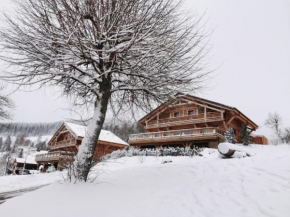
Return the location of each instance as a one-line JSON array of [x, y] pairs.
[[250, 48]]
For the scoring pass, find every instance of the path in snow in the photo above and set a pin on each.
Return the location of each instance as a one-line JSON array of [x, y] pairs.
[[8, 195]]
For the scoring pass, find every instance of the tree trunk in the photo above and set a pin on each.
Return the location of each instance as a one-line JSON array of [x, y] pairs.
[[85, 157]]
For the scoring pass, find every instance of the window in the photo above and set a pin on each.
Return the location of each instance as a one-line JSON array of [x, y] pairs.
[[215, 126], [190, 112], [164, 115], [165, 135], [176, 114], [201, 110], [187, 133]]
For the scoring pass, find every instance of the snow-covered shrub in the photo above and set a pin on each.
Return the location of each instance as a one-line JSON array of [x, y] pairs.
[[169, 151], [245, 135], [230, 136]]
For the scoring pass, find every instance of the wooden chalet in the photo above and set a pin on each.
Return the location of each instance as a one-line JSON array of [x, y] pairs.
[[28, 163], [187, 121], [65, 143]]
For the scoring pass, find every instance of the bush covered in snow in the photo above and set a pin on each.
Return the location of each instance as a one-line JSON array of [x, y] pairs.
[[230, 136], [169, 151]]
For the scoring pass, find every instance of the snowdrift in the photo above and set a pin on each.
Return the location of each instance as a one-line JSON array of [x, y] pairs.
[[228, 150]]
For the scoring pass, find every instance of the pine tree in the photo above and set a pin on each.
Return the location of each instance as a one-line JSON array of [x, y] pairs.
[[245, 135], [42, 146], [230, 136], [21, 154], [7, 144]]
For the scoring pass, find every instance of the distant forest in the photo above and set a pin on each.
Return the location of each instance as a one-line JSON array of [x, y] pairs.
[[124, 129], [29, 129]]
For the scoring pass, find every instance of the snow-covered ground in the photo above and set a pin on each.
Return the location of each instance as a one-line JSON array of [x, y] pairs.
[[200, 186], [18, 182]]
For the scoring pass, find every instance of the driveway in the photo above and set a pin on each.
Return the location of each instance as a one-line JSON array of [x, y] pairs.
[[7, 195]]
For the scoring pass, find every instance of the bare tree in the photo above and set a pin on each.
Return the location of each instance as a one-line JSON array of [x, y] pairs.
[[6, 105], [122, 54], [274, 121], [286, 135]]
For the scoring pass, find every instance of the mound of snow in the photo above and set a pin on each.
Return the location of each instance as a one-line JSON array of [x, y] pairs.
[[226, 148]]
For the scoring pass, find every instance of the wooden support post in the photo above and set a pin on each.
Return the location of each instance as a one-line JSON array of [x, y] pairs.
[[205, 112], [158, 119], [225, 125]]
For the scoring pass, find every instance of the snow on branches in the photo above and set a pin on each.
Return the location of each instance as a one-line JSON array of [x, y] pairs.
[[147, 49], [125, 54]]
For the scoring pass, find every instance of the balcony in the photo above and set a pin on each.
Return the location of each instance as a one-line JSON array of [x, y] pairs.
[[54, 156], [63, 144], [182, 120], [176, 135]]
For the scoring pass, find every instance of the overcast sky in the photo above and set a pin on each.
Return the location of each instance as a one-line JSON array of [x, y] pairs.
[[250, 49]]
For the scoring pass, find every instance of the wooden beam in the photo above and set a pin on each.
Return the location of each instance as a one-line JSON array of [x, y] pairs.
[[225, 125], [232, 118]]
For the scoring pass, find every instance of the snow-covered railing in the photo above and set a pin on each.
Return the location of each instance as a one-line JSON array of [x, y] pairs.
[[54, 156], [62, 146], [175, 134], [210, 116]]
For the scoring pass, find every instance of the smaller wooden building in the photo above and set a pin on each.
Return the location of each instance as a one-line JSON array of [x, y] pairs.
[[259, 139], [30, 163], [65, 143]]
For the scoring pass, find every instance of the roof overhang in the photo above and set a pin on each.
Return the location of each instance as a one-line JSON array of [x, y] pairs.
[[201, 101]]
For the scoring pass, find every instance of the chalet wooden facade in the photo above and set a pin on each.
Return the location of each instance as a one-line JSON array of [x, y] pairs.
[[65, 143], [187, 121]]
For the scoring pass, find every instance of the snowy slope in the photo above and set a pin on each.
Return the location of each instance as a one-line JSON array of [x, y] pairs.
[[13, 183], [200, 186]]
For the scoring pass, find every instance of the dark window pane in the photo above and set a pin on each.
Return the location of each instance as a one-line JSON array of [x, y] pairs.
[[164, 115], [190, 112], [200, 110], [176, 114]]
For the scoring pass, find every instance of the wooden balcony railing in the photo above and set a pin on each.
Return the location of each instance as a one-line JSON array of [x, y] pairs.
[[62, 145], [54, 156], [208, 117], [174, 134]]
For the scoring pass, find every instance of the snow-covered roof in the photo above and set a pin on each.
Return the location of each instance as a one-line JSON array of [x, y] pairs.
[[105, 135], [76, 129], [29, 160]]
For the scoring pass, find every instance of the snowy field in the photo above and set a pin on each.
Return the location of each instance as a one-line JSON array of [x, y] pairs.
[[14, 183], [207, 186]]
